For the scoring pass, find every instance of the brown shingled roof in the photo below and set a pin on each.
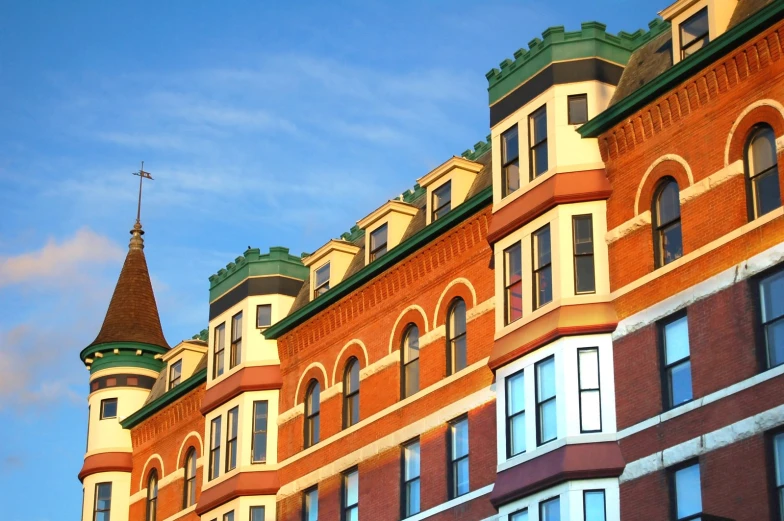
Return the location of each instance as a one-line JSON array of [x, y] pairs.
[[133, 314]]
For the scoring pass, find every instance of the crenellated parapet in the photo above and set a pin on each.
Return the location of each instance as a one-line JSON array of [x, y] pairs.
[[253, 263]]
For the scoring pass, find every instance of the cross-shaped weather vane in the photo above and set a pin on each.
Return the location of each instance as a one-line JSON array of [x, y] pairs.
[[142, 176]]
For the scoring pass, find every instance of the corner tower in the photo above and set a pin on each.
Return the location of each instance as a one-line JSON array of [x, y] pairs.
[[124, 361]]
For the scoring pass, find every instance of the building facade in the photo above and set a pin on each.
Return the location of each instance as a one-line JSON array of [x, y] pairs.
[[578, 319]]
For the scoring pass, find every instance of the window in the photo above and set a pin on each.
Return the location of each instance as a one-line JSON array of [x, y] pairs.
[[235, 354], [215, 449], [594, 506], [667, 238], [322, 280], [228, 516], [189, 491], [550, 510], [310, 504], [537, 142], [410, 354], [351, 393], [175, 374], [350, 511], [220, 347], [772, 300], [458, 457], [762, 172], [694, 33], [674, 336], [259, 441], [584, 275], [152, 496], [456, 337], [578, 109], [411, 479], [231, 438], [378, 242], [257, 513], [510, 158], [312, 408], [590, 395], [513, 283], [520, 515], [263, 316], [108, 408], [515, 414], [442, 200], [543, 272], [685, 484], [778, 461], [102, 508], [546, 418]]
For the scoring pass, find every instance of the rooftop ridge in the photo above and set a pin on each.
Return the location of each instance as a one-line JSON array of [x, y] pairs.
[[252, 262], [479, 149], [560, 44]]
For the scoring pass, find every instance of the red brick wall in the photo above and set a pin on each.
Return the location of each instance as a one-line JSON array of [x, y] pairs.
[[163, 434]]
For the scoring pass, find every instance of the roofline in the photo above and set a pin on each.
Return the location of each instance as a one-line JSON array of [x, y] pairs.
[[120, 344], [684, 69], [373, 269], [165, 399]]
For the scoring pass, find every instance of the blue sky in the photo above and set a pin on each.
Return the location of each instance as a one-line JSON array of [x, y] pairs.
[[263, 123]]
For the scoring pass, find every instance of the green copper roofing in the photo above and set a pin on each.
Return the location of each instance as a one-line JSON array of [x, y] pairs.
[[684, 69], [479, 149], [201, 335], [253, 263], [396, 254], [352, 235], [126, 356], [412, 194], [556, 44], [165, 399]]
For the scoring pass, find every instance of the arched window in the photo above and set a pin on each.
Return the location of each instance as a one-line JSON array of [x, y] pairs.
[[456, 336], [312, 407], [351, 393], [762, 172], [410, 354], [667, 239], [189, 497], [152, 496]]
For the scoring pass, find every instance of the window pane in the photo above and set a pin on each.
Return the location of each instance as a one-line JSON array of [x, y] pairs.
[[687, 491], [352, 514], [109, 408], [694, 27], [509, 145], [228, 516], [514, 264], [461, 477], [263, 315], [515, 393], [539, 125], [519, 516], [548, 422], [411, 461], [778, 446], [459, 439], [544, 286], [460, 354], [412, 378], [542, 247], [512, 177], [352, 488], [767, 191], [590, 411], [259, 431], [378, 238], [322, 276], [540, 159], [583, 234], [680, 383], [442, 197], [412, 498], [762, 154], [589, 368], [774, 338], [457, 319], [311, 505], [314, 398], [594, 505], [411, 344], [671, 243], [256, 513], [513, 281], [772, 292], [550, 510], [676, 340], [584, 274], [545, 379], [669, 205], [578, 109], [517, 434]]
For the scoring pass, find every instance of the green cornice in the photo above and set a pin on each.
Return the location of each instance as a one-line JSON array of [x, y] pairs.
[[165, 399], [684, 69], [126, 356], [253, 263], [411, 195], [201, 335], [556, 44], [479, 149], [375, 268]]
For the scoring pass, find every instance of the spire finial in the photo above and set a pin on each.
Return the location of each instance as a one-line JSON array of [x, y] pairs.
[[137, 243]]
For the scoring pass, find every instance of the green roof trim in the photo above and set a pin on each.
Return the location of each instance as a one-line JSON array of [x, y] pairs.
[[375, 268], [201, 335], [352, 235], [412, 194], [480, 148], [165, 399], [253, 263], [125, 357], [684, 69], [557, 44]]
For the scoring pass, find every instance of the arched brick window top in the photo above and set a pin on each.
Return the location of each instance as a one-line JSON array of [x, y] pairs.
[[668, 168], [412, 315], [314, 371], [458, 288], [760, 163], [666, 222], [763, 113], [353, 349]]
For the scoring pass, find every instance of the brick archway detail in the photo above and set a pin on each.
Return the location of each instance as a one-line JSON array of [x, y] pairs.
[[658, 171], [457, 288], [354, 349], [192, 439], [314, 371], [412, 315], [770, 112], [150, 464]]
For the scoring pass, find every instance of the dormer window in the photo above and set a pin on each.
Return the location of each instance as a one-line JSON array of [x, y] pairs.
[[378, 242], [537, 142], [175, 374], [510, 157], [694, 33], [442, 200], [322, 280]]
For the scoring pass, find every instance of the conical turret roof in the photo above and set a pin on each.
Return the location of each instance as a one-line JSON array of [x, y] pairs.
[[133, 314]]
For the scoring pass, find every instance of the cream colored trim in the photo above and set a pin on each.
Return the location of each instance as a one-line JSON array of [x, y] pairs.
[[333, 245], [553, 445], [733, 433], [394, 439], [164, 481], [662, 159], [446, 167], [759, 103], [632, 225], [104, 450], [131, 370], [185, 345], [431, 336], [455, 282], [379, 365], [181, 513], [290, 414], [328, 393], [301, 376], [711, 182], [349, 343], [471, 314], [394, 328], [699, 252], [182, 446], [388, 207], [465, 498], [143, 476], [479, 310]]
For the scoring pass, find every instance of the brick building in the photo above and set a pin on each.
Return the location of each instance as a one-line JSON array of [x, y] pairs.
[[578, 319]]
